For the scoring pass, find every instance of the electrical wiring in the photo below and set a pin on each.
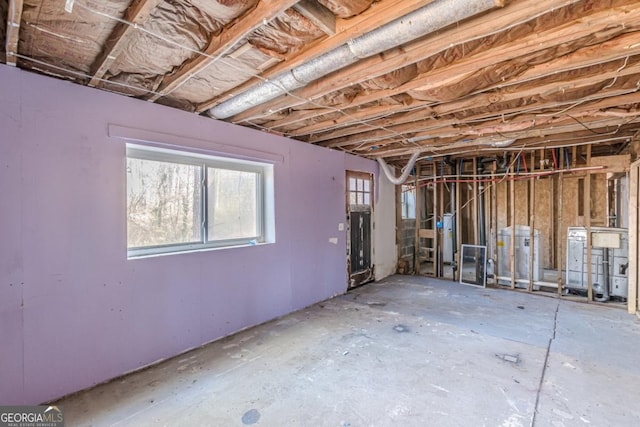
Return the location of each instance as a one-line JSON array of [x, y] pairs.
[[81, 74], [220, 57]]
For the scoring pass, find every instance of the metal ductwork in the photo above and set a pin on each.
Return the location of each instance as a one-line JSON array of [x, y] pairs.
[[405, 172], [427, 19]]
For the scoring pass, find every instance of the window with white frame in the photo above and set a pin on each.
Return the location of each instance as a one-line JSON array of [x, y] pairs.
[[408, 202], [179, 201]]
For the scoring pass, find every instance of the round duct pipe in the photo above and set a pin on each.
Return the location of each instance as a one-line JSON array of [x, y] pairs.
[[425, 20]]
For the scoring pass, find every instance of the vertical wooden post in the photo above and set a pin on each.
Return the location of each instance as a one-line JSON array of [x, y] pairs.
[[512, 240], [458, 216], [476, 229], [436, 243], [634, 177], [442, 230], [552, 213], [494, 222], [574, 156], [398, 223], [587, 221], [559, 241], [416, 249], [532, 221]]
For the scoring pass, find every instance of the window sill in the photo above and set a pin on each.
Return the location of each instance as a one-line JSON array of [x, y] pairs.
[[191, 251]]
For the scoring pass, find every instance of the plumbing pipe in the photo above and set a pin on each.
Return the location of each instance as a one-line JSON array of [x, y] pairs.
[[427, 19], [405, 171]]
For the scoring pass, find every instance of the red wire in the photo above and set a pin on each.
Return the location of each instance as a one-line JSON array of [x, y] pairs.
[[555, 163]]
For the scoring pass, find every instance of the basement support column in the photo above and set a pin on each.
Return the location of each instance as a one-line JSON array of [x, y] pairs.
[[434, 253], [532, 221], [559, 242], [512, 239], [416, 249], [474, 205], [634, 178], [587, 220], [458, 230], [442, 230], [494, 222], [399, 229]]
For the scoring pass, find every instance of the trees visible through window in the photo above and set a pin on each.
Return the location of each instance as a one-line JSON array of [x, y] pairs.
[[178, 202]]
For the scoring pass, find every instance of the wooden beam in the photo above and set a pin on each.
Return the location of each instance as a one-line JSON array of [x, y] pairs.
[[416, 249], [614, 164], [427, 233], [14, 16], [559, 228], [458, 231], [319, 15], [136, 13], [633, 286], [598, 21], [440, 187], [414, 124], [434, 244], [512, 237], [610, 51], [474, 217], [493, 220], [264, 11], [378, 14], [399, 229], [532, 224], [587, 220]]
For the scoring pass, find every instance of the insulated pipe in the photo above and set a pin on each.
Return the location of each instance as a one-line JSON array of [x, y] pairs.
[[427, 19], [405, 172]]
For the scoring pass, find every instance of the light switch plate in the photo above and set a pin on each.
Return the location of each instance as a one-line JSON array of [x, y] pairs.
[[341, 226]]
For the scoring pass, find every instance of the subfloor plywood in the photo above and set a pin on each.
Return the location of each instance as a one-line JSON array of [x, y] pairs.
[[409, 351]]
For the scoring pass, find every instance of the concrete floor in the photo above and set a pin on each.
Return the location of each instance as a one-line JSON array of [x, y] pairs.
[[407, 351]]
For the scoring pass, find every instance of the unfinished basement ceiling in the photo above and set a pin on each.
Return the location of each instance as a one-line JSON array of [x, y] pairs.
[[522, 73]]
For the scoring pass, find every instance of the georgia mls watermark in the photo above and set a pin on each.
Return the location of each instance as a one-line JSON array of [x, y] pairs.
[[31, 416]]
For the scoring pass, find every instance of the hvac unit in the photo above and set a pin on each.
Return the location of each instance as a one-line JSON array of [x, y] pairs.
[[523, 249], [609, 262]]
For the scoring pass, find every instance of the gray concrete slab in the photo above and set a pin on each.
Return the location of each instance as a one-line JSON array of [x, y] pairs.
[[409, 351]]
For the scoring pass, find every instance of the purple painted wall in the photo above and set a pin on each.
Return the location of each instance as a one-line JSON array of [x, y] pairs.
[[73, 311]]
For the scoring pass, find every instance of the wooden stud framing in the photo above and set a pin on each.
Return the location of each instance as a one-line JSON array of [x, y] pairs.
[[441, 188], [346, 29], [512, 240], [399, 223], [494, 221], [532, 222], [559, 242], [633, 287], [416, 249], [14, 16], [474, 205], [458, 217], [436, 205], [587, 221], [136, 13]]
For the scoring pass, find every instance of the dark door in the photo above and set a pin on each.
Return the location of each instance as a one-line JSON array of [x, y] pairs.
[[359, 202]]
